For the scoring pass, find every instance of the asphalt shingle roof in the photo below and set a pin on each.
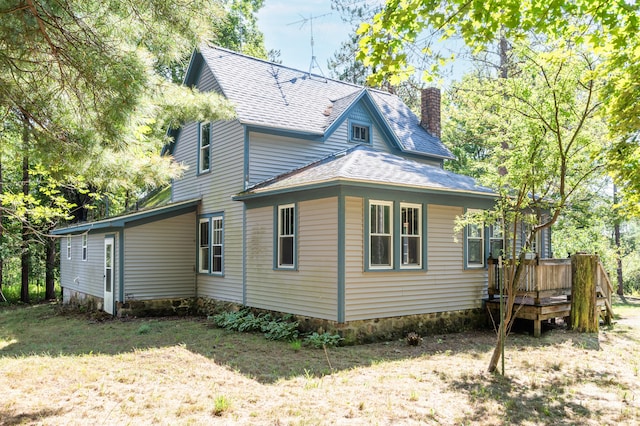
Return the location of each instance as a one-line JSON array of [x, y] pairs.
[[275, 96], [364, 164]]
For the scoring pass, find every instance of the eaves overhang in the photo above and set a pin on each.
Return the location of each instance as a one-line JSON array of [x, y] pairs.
[[364, 184], [120, 222]]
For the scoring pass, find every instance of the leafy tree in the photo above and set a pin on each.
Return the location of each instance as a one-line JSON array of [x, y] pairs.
[[541, 141], [609, 29], [79, 79]]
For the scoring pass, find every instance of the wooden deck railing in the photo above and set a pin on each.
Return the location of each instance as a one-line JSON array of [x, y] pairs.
[[540, 278], [543, 278]]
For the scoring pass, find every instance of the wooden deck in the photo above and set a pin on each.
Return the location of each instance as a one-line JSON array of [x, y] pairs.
[[544, 291]]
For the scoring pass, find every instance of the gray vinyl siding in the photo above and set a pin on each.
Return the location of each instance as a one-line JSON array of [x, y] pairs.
[[160, 259], [217, 188], [310, 290], [444, 286], [186, 154], [272, 155], [207, 82], [86, 276]]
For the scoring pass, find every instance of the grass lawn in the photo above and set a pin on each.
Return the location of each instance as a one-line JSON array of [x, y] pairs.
[[61, 368]]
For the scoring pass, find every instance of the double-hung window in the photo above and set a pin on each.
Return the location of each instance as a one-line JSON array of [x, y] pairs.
[[68, 247], [203, 246], [411, 235], [286, 236], [204, 148], [84, 247], [475, 245], [210, 245], [496, 244], [216, 244], [380, 235]]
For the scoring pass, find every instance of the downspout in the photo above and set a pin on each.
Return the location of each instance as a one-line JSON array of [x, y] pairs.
[[341, 296]]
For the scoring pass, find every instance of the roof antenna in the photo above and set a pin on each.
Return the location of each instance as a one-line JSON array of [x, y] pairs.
[[302, 23]]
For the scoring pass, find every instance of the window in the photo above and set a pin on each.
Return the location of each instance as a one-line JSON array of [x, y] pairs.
[[216, 244], [411, 235], [204, 152], [360, 133], [84, 247], [69, 247], [211, 245], [203, 246], [496, 244], [380, 234], [286, 236], [475, 245]]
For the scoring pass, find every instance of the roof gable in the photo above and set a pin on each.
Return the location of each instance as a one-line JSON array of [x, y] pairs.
[[273, 96]]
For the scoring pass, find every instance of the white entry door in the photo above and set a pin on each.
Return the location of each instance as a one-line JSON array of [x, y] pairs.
[[108, 275]]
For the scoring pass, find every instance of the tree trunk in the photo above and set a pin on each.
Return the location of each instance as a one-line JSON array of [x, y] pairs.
[[1, 227], [616, 233], [510, 290], [584, 310], [50, 249], [616, 230], [24, 258]]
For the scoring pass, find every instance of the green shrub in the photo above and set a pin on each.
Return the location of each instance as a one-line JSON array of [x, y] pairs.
[[323, 340], [229, 320], [245, 321], [280, 329]]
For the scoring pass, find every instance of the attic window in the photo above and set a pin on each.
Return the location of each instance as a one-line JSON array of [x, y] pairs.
[[360, 133]]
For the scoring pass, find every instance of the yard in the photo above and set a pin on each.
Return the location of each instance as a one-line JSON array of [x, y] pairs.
[[69, 368]]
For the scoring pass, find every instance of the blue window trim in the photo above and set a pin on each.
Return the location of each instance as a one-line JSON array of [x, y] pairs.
[[199, 139], [209, 217], [353, 123], [276, 236], [485, 248], [396, 237]]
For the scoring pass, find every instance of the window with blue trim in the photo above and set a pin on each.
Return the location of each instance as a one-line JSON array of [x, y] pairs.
[[395, 240], [286, 236], [496, 241], [380, 235], [216, 244], [475, 246], [360, 133], [211, 245], [411, 235], [204, 144]]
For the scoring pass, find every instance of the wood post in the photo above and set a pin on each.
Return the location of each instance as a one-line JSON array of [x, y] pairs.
[[584, 309]]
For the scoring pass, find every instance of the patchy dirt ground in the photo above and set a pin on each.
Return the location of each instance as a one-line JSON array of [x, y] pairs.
[[60, 370]]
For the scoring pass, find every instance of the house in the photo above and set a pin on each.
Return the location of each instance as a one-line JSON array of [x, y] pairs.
[[322, 199]]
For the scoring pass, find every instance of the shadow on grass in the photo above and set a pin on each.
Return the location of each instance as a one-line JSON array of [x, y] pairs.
[[46, 329], [9, 419], [550, 403]]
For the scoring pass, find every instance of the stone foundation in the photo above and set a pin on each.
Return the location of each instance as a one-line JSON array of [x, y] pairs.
[[368, 331], [81, 300], [155, 308], [353, 332]]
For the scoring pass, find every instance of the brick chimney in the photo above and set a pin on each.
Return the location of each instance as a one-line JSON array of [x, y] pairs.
[[430, 111]]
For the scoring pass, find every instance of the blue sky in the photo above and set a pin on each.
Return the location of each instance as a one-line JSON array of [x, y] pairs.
[[283, 29], [280, 23]]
